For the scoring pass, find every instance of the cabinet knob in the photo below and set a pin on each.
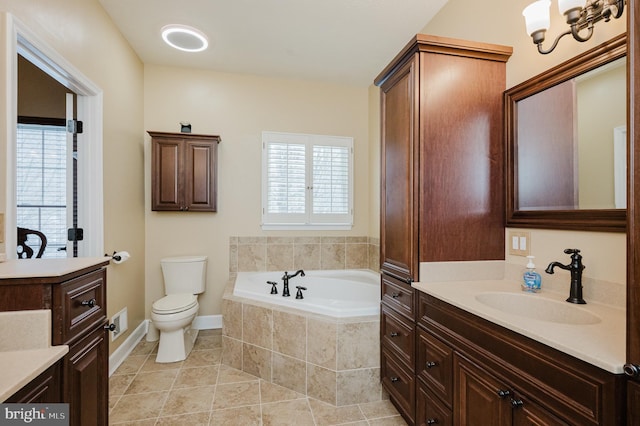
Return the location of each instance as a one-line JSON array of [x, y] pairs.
[[515, 403], [395, 295], [394, 334], [503, 393], [110, 327], [90, 303], [431, 364], [632, 370], [432, 421], [394, 379], [186, 208]]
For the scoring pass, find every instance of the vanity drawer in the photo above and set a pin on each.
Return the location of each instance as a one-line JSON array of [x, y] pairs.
[[399, 295], [78, 305], [435, 365], [429, 409], [398, 334], [399, 383]]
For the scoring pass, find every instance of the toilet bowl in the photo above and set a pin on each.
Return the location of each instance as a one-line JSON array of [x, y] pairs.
[[173, 314]]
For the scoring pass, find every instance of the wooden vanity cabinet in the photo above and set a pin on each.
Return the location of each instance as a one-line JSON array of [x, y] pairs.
[[499, 377], [77, 301], [441, 180], [183, 172]]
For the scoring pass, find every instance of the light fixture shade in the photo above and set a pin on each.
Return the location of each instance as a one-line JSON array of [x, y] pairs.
[[185, 38], [566, 5], [536, 16]]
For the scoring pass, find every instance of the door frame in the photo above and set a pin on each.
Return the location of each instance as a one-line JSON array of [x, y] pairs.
[[20, 39]]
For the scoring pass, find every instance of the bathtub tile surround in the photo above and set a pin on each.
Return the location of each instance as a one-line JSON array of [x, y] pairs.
[[334, 360], [249, 254], [201, 390]]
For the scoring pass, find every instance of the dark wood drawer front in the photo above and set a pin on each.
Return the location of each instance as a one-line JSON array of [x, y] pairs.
[[435, 365], [79, 305], [398, 335], [430, 410], [400, 384], [399, 295]]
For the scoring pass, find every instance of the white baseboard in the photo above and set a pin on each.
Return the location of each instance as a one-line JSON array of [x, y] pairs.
[[207, 322], [118, 356]]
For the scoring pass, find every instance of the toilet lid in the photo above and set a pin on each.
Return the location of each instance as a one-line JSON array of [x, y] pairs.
[[175, 303]]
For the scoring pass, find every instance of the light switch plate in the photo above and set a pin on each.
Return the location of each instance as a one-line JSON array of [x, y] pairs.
[[519, 243]]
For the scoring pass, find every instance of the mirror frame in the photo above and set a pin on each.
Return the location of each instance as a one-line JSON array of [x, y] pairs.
[[611, 220]]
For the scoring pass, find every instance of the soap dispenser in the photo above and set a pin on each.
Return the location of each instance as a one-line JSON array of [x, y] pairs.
[[531, 280]]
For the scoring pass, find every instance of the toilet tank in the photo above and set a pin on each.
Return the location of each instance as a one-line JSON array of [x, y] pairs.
[[184, 274]]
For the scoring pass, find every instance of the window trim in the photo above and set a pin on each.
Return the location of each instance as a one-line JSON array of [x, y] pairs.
[[285, 221]]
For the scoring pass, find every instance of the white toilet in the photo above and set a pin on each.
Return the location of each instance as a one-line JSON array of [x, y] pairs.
[[184, 279]]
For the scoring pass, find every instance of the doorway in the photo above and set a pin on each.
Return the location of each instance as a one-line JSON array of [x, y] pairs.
[[46, 166], [86, 153]]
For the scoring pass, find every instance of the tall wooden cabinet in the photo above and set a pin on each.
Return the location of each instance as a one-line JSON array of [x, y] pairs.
[[183, 172], [75, 292], [441, 181]]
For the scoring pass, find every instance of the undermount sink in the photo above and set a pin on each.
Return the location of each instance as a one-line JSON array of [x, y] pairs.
[[538, 308]]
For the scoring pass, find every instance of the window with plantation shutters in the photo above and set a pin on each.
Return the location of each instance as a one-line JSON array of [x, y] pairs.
[[307, 181], [41, 184]]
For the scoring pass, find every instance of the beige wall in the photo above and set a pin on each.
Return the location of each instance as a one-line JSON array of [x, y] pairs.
[[238, 108], [501, 22], [84, 35], [38, 94]]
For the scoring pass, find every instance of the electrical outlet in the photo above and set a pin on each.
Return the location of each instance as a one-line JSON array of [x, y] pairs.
[[519, 243], [120, 320]]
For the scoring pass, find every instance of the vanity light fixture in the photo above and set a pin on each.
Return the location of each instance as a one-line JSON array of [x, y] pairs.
[[580, 15], [185, 38]]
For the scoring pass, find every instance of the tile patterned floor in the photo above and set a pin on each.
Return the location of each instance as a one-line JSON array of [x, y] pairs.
[[201, 391]]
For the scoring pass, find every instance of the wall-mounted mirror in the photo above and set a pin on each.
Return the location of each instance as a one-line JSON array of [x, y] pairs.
[[566, 139]]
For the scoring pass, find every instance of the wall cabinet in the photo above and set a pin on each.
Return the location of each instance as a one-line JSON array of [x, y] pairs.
[[183, 172], [441, 182], [77, 300]]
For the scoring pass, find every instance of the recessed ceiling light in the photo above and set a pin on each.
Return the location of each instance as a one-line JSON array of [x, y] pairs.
[[185, 38]]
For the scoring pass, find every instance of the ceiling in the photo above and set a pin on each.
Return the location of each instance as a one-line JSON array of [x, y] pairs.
[[340, 41]]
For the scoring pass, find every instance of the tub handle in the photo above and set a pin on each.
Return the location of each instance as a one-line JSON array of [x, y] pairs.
[[273, 284], [299, 293]]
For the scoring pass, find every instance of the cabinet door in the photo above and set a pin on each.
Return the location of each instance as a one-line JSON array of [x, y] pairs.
[[399, 189], [166, 181], [476, 396], [86, 378], [200, 176]]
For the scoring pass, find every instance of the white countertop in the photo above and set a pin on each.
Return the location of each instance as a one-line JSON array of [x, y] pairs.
[[602, 344], [39, 268], [25, 348], [20, 367]]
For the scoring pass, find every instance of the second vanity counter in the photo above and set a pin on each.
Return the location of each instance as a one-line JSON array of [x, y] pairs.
[[594, 333]]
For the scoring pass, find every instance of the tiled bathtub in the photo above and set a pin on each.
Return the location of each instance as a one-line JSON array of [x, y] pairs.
[[336, 360]]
